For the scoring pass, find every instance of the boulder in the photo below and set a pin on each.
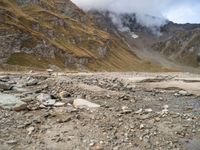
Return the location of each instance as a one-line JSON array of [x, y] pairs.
[[11, 102], [5, 86], [43, 97], [20, 106], [82, 103]]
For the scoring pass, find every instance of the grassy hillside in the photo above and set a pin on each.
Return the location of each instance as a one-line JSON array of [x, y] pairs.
[[38, 33]]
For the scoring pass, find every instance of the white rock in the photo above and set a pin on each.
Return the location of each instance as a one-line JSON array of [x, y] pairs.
[[50, 102], [32, 82], [182, 92], [43, 97], [141, 126], [165, 106], [149, 110], [82, 103], [59, 104], [139, 111], [30, 130], [125, 109]]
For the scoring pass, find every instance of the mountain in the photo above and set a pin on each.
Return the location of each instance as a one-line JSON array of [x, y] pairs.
[[170, 45], [182, 43], [41, 33]]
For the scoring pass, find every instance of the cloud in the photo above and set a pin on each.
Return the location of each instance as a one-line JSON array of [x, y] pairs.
[[176, 10], [151, 7], [184, 13]]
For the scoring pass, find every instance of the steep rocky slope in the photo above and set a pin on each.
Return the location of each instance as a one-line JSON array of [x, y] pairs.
[[37, 33], [181, 43]]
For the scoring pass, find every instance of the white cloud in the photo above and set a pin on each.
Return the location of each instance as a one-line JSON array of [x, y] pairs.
[[184, 14], [180, 11], [151, 7]]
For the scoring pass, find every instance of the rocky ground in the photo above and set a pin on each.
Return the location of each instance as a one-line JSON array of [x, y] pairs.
[[99, 111]]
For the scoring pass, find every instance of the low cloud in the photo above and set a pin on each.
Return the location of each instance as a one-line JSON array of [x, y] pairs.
[[142, 8]]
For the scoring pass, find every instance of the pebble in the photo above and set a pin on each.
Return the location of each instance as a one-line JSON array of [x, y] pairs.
[[59, 104], [141, 126], [12, 142], [32, 82], [50, 102], [139, 111], [64, 94], [30, 130], [126, 110], [149, 110]]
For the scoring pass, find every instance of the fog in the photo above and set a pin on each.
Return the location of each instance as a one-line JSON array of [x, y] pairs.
[[179, 11]]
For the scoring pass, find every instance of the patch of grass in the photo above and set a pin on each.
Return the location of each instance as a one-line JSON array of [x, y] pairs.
[[30, 60]]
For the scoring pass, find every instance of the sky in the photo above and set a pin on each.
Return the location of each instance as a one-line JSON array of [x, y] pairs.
[[178, 11]]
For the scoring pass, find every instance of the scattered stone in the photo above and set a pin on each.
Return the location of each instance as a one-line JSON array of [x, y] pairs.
[[126, 110], [43, 97], [64, 94], [50, 102], [149, 110], [59, 104], [12, 142], [82, 103], [141, 126], [30, 130], [97, 147], [32, 82], [157, 119], [139, 111], [50, 71], [184, 93], [67, 119], [165, 106]]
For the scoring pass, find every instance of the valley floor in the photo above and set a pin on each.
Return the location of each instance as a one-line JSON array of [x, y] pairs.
[[137, 111]]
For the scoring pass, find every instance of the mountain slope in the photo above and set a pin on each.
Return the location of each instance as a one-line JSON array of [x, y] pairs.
[[182, 45], [58, 32]]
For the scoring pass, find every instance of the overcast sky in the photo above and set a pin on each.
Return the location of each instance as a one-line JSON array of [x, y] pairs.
[[179, 11]]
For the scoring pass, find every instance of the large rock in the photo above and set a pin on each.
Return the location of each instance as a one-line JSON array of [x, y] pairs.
[[43, 97], [46, 99], [5, 86], [20, 106], [82, 103], [11, 102]]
